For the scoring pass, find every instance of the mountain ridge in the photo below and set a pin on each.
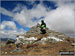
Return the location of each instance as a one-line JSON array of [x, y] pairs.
[[34, 33], [34, 43]]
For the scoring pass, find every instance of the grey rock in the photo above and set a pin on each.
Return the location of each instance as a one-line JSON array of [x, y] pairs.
[[35, 31]]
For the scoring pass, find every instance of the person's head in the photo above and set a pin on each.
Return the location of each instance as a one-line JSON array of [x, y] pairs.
[[42, 21]]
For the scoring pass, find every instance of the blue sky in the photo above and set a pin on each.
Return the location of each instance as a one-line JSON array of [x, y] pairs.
[[22, 15], [10, 5]]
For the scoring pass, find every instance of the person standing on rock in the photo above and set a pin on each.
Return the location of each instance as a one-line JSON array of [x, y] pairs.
[[43, 27]]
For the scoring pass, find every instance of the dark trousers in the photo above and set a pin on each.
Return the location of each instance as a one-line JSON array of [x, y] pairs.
[[43, 31]]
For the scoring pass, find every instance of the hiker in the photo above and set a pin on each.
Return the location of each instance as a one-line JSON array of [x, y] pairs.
[[43, 27], [43, 31]]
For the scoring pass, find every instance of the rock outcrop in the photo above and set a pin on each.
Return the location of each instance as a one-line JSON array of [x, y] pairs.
[[51, 36], [34, 43]]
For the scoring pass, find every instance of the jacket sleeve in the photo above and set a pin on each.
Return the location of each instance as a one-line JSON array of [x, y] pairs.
[[45, 24]]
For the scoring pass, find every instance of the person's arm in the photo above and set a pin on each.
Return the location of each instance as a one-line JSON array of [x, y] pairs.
[[45, 25]]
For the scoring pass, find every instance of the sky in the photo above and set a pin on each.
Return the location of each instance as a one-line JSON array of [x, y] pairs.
[[20, 16]]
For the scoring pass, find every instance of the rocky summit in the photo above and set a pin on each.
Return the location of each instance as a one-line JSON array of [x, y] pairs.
[[34, 43], [34, 34]]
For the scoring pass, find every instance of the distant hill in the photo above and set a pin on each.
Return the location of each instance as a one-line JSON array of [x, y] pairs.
[[5, 39]]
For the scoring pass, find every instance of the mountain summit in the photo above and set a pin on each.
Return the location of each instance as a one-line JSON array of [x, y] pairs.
[[34, 43], [34, 34]]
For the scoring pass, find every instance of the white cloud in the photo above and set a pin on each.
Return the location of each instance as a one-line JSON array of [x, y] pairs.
[[60, 19], [38, 11], [8, 34], [2, 26], [11, 34], [21, 31], [9, 24], [20, 18], [25, 16], [6, 12], [69, 3]]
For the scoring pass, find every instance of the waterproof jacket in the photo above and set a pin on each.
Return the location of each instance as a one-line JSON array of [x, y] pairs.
[[43, 25]]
